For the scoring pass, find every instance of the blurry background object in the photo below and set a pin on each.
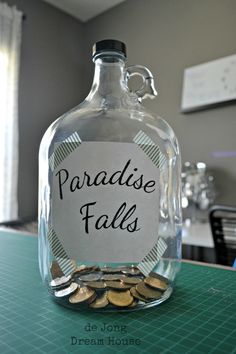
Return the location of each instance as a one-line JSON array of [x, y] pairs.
[[223, 226], [198, 191], [10, 40], [209, 84]]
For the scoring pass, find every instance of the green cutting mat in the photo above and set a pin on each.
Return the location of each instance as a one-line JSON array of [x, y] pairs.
[[200, 317]]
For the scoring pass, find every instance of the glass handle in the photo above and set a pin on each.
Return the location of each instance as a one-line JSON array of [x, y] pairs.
[[147, 90]]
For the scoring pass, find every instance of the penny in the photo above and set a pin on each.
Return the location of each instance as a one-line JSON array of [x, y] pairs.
[[81, 295], [136, 295], [120, 298], [156, 283], [100, 302], [55, 270], [91, 276], [132, 281], [134, 303], [96, 284], [117, 285], [62, 281], [67, 291], [147, 291]]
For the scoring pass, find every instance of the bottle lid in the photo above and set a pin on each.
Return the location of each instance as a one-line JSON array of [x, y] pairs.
[[109, 45]]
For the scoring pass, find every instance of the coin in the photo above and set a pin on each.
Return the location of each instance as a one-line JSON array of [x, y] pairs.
[[67, 291], [132, 281], [78, 281], [91, 276], [131, 270], [120, 298], [96, 284], [147, 291], [134, 303], [135, 294], [100, 302], [82, 294], [109, 270], [159, 276], [113, 276], [79, 269], [117, 285], [55, 270], [84, 269], [92, 298], [59, 282], [156, 283]]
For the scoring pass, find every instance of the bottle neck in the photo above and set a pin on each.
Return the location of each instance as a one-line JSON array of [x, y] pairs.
[[109, 77]]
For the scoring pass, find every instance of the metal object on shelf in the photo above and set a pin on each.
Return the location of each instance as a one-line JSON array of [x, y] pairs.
[[198, 191]]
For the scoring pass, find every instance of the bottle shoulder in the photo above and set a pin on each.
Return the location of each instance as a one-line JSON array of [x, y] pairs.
[[121, 125]]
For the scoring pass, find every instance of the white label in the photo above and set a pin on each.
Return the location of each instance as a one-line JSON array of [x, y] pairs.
[[105, 202]]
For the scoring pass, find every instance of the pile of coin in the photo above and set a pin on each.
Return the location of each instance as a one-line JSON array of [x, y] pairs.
[[107, 287]]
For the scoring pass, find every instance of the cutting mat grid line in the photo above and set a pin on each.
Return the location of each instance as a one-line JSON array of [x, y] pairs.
[[199, 317], [207, 338]]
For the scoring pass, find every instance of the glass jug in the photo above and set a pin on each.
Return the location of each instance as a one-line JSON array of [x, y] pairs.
[[109, 195]]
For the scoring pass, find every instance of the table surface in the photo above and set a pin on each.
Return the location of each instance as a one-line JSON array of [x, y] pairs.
[[199, 317], [197, 234]]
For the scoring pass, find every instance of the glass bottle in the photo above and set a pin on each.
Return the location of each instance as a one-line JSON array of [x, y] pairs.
[[109, 195]]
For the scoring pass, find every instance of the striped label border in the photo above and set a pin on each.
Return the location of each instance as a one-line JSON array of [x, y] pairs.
[[65, 263], [150, 149], [158, 159], [64, 149], [152, 258]]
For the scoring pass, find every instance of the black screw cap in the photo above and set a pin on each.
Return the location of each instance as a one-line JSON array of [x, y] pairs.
[[109, 45]]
